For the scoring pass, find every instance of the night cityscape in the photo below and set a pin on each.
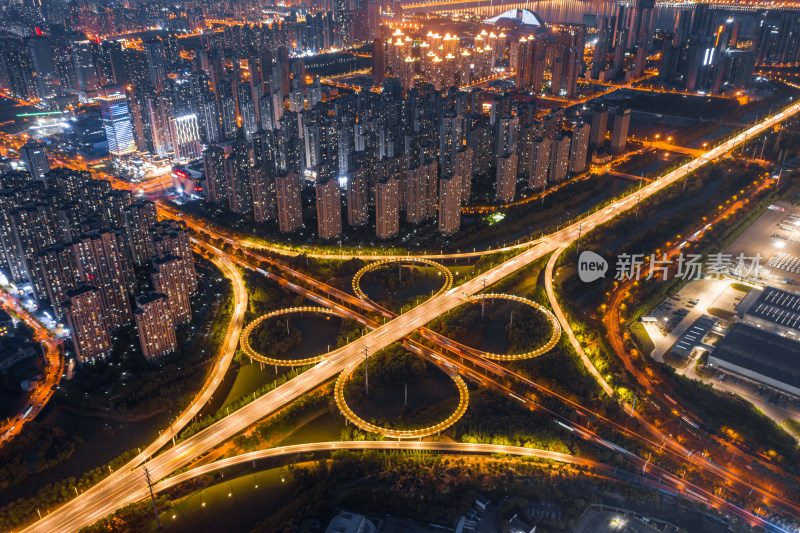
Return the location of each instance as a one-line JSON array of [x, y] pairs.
[[384, 266]]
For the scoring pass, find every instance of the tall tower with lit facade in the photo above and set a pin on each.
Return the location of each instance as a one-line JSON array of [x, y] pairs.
[[116, 118]]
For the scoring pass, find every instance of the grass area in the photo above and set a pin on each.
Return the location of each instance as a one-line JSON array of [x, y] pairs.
[[230, 505], [741, 287], [642, 337], [249, 378], [721, 313], [793, 426]]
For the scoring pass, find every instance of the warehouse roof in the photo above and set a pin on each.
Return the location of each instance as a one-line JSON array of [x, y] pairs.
[[777, 306], [761, 352]]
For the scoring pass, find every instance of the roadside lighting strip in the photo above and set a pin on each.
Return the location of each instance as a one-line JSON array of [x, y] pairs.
[[245, 338], [338, 394], [321, 447], [554, 337], [378, 264]]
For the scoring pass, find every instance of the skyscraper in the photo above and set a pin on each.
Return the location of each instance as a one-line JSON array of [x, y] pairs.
[[156, 62], [559, 159], [168, 279], [506, 179], [35, 159], [387, 208], [139, 217], [85, 319], [579, 148], [329, 208], [116, 118], [290, 210], [378, 61], [597, 134], [539, 163], [619, 136], [449, 204], [263, 191], [155, 327], [185, 133], [357, 197]]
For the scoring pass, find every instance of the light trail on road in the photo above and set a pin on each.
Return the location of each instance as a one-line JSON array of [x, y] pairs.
[[88, 508], [54, 363]]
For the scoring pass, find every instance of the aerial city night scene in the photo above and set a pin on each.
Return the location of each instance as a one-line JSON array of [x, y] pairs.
[[398, 266]]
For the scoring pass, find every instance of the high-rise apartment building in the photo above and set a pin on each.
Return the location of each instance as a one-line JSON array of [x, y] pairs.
[[559, 159], [539, 163], [387, 208], [329, 209], [139, 217], [378, 61], [506, 179], [449, 204], [421, 192], [357, 197], [619, 136], [168, 279], [237, 176], [35, 159], [216, 181], [290, 210], [155, 327], [579, 148], [463, 171], [172, 238], [102, 262], [597, 134], [84, 313], [263, 192]]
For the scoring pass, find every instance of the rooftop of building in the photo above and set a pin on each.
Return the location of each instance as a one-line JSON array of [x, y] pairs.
[[524, 17], [694, 335], [148, 298], [773, 305], [761, 352]]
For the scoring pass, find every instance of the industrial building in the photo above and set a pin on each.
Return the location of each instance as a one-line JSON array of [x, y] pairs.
[[772, 309], [759, 355]]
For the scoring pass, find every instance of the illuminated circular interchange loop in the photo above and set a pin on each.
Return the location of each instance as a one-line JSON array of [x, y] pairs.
[[245, 338], [378, 264], [338, 394], [546, 347]]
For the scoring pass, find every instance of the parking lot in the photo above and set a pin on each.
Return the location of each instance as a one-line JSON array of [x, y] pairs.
[[775, 238]]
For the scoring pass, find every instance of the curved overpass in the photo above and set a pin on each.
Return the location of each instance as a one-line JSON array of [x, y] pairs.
[[109, 496], [444, 447], [668, 483]]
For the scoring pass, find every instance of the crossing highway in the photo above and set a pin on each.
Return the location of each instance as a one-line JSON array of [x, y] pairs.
[[127, 487]]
